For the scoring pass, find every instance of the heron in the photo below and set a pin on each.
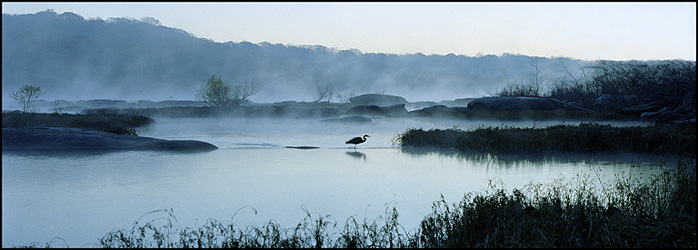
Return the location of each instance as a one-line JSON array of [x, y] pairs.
[[357, 140]]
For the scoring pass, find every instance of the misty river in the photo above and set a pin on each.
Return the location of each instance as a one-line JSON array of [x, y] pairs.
[[256, 177]]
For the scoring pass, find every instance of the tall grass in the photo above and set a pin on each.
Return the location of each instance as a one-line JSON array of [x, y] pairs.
[[585, 137], [659, 212], [582, 212], [314, 231]]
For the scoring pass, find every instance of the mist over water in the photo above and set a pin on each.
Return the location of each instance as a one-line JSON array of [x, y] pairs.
[[72, 58], [278, 167], [80, 196]]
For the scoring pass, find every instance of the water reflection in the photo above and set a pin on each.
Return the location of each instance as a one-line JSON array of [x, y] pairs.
[[67, 154], [77, 154], [509, 159], [357, 154]]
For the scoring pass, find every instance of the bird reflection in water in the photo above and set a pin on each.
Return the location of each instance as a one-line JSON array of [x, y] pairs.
[[357, 154]]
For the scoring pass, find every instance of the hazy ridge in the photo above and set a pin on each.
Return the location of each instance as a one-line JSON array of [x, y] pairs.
[[73, 58]]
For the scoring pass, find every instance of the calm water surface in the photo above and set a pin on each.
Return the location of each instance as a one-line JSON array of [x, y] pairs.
[[80, 196]]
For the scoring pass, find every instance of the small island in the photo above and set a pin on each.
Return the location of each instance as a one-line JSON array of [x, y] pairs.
[[102, 130]]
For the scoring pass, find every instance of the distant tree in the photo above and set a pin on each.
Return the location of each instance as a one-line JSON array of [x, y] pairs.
[[538, 79], [531, 88], [344, 98], [215, 92], [243, 90], [150, 20], [26, 95], [324, 92], [578, 88]]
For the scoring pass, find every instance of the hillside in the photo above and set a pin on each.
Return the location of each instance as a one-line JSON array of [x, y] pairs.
[[73, 58]]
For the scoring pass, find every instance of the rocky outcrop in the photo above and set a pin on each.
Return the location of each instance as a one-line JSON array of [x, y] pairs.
[[395, 110], [60, 138], [377, 99], [368, 110], [321, 113], [375, 110], [440, 111], [349, 119], [567, 105], [511, 104]]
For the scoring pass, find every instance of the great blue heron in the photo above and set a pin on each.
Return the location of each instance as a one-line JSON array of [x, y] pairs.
[[357, 140]]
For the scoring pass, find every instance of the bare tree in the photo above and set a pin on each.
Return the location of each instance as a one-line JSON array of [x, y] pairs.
[[243, 90], [538, 80], [26, 95], [344, 98], [324, 92]]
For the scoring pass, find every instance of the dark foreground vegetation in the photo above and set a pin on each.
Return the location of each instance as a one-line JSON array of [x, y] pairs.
[[107, 120], [655, 211], [585, 137], [664, 91]]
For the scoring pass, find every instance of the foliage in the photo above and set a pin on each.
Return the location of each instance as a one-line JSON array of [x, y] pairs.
[[217, 93], [108, 120], [25, 96]]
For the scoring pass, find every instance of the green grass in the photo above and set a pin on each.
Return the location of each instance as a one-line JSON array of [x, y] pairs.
[[108, 120], [585, 137]]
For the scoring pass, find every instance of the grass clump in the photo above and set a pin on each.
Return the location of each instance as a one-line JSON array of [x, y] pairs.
[[659, 212], [315, 231], [107, 120], [586, 137]]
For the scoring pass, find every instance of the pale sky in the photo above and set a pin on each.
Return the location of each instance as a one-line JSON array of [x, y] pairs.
[[588, 31]]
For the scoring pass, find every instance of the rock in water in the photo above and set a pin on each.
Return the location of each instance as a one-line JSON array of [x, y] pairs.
[[377, 99], [59, 138]]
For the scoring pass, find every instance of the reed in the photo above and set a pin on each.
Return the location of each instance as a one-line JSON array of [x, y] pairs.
[[585, 137], [658, 212]]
